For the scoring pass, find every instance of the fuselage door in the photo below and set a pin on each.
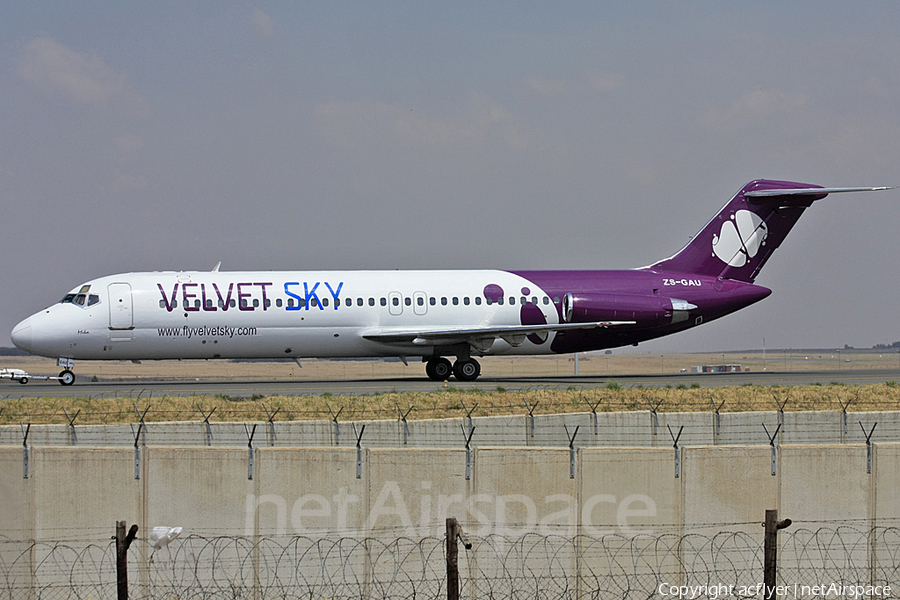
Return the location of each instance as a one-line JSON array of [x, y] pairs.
[[395, 303], [420, 303], [121, 315]]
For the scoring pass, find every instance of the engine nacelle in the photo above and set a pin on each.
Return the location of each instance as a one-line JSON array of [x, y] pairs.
[[644, 310]]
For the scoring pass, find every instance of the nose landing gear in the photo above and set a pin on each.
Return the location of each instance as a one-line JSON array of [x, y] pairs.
[[464, 369]]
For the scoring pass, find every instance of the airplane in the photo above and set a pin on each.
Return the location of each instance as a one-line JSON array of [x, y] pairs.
[[432, 315]]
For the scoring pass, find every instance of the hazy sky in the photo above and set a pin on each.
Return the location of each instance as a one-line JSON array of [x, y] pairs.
[[522, 135]]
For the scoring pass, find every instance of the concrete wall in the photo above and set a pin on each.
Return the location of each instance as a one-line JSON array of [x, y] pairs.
[[618, 497]]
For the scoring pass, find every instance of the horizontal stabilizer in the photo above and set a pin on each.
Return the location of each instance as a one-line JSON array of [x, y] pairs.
[[810, 191]]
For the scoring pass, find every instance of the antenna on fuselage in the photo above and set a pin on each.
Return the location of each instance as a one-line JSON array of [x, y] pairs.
[[216, 268]]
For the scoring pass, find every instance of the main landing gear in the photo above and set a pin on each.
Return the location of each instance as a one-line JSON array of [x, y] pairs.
[[464, 369], [66, 377]]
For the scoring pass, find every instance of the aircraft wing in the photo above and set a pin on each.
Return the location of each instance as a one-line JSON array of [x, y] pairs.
[[479, 337]]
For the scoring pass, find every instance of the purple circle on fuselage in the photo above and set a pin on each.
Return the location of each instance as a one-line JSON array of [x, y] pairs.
[[493, 291], [526, 291]]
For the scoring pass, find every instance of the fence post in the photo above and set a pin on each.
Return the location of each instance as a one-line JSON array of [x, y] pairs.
[[675, 439], [206, 420], [772, 444], [594, 413], [654, 417], [123, 542], [770, 551], [781, 406], [468, 451], [73, 439], [137, 450], [359, 435], [469, 415], [250, 433], [454, 532], [868, 445], [571, 450], [403, 416], [530, 416], [271, 422], [717, 419], [334, 419], [25, 432], [143, 427]]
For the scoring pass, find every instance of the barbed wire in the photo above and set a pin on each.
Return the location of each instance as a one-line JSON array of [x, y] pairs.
[[530, 566], [604, 429]]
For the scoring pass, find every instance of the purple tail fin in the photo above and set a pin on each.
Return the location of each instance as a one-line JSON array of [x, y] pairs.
[[739, 240]]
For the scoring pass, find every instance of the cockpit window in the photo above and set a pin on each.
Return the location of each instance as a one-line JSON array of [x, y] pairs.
[[82, 298]]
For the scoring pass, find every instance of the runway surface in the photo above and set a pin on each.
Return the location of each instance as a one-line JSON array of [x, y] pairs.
[[247, 388]]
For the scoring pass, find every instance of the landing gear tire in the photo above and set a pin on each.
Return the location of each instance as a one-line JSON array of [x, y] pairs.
[[23, 380], [67, 377], [467, 370], [438, 369]]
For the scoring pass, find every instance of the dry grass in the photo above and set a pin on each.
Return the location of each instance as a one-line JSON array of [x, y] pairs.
[[449, 403]]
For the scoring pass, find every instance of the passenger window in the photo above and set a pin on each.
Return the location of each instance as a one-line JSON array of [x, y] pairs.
[[478, 300], [313, 303], [500, 300], [359, 301], [278, 302], [534, 300], [243, 304], [466, 300], [222, 303], [197, 303], [384, 301], [523, 300], [290, 302], [371, 301], [455, 301], [444, 301], [555, 299], [546, 300], [420, 301], [162, 304], [232, 303], [324, 301], [512, 301], [348, 302], [432, 301], [267, 303], [395, 301], [489, 300], [255, 303], [407, 301]]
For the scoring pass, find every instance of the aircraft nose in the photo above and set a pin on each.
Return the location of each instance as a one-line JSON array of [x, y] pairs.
[[21, 335]]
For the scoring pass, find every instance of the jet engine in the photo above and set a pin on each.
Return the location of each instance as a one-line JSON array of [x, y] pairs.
[[644, 310]]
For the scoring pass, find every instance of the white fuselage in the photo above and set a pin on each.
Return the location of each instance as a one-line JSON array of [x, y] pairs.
[[271, 314]]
